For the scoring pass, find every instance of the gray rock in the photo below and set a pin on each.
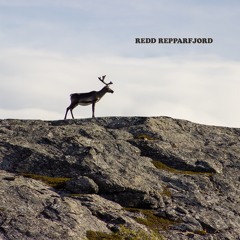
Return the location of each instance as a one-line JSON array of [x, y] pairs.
[[31, 210], [81, 185], [186, 174]]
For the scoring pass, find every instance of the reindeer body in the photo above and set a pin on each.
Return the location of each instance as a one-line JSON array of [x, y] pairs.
[[85, 99]]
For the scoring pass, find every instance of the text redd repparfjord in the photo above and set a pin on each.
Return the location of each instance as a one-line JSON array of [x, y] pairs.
[[174, 40]]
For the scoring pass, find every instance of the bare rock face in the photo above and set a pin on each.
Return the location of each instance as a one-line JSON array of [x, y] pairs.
[[31, 210], [81, 185], [155, 178]]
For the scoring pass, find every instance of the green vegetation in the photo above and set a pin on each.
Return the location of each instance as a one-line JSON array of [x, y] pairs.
[[54, 182], [92, 235], [162, 166], [144, 137], [151, 221], [166, 192], [200, 232], [123, 234]]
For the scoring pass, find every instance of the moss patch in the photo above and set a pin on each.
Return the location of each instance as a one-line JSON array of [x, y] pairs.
[[54, 182], [162, 166], [123, 234], [200, 232], [154, 222], [144, 137], [166, 192], [92, 235], [151, 221]]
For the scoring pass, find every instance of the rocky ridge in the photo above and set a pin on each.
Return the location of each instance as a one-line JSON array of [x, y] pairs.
[[119, 178]]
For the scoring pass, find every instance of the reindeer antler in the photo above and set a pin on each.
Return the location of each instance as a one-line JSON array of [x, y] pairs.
[[102, 80]]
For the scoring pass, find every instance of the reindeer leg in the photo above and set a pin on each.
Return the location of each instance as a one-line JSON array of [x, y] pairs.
[[93, 110], [71, 107], [72, 113], [66, 113]]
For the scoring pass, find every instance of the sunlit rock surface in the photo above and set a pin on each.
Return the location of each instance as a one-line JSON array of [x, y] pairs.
[[160, 177]]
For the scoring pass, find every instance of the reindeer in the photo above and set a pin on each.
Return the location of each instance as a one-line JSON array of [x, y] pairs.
[[85, 99]]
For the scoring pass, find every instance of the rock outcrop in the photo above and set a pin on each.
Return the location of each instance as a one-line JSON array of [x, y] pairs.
[[119, 178]]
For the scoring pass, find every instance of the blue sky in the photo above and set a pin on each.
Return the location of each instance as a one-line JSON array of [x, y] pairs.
[[50, 49]]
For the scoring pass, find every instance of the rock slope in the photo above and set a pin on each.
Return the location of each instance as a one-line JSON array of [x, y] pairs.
[[119, 178]]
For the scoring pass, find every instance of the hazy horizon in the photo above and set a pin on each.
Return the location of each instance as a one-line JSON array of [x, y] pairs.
[[52, 49]]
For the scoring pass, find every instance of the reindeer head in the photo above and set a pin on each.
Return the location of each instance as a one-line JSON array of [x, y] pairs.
[[107, 88]]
